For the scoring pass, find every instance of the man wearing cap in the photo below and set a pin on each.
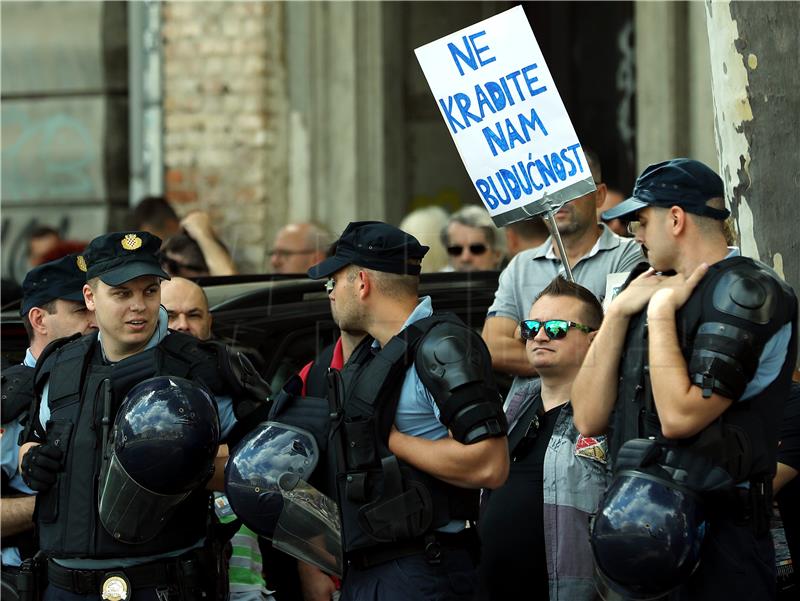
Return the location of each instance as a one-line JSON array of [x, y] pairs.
[[415, 442], [80, 385], [699, 361], [52, 307]]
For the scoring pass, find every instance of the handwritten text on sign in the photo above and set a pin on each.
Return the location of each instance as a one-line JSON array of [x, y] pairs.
[[504, 112]]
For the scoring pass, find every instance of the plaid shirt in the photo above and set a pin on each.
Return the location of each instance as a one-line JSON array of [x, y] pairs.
[[575, 476]]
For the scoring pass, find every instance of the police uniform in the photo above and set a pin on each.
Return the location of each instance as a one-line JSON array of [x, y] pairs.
[[59, 279], [401, 525], [80, 392], [738, 336]]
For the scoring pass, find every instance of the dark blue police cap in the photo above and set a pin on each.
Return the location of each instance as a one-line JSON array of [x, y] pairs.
[[119, 257], [374, 245], [685, 183], [63, 278]]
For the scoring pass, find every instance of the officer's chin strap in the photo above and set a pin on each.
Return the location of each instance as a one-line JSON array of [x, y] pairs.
[[549, 217]]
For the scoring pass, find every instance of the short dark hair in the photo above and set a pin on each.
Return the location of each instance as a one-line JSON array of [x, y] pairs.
[[186, 248], [49, 306], [40, 231], [153, 210], [594, 164], [593, 310]]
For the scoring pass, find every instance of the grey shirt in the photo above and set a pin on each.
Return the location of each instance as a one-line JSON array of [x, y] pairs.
[[530, 271]]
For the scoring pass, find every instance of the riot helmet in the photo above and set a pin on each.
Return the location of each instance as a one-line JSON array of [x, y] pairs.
[[647, 535], [165, 439], [266, 482]]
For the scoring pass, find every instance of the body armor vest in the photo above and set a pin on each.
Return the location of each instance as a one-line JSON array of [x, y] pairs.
[[382, 499], [741, 441], [68, 521]]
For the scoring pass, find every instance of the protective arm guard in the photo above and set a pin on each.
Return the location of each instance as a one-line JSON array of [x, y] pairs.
[[726, 349], [454, 365]]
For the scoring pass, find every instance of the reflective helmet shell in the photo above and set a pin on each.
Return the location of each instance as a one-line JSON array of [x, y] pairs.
[[166, 435], [647, 535]]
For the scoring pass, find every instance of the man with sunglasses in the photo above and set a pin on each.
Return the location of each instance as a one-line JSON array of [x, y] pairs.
[[535, 525], [689, 369], [594, 252], [472, 240], [420, 425]]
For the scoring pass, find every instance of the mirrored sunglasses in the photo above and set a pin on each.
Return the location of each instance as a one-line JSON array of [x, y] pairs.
[[475, 249], [553, 328]]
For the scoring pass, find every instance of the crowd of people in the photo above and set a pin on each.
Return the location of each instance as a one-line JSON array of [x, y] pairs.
[[648, 428]]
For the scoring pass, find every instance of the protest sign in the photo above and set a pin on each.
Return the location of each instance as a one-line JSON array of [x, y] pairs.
[[506, 117]]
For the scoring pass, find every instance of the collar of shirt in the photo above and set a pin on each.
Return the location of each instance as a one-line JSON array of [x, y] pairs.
[[423, 309], [158, 335], [733, 251], [606, 241], [29, 361]]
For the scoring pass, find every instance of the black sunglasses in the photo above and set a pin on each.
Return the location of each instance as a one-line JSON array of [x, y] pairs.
[[554, 328], [475, 249]]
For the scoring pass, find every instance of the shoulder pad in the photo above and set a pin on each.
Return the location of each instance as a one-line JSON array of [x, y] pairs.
[[455, 366], [248, 389], [44, 364], [17, 391], [748, 292]]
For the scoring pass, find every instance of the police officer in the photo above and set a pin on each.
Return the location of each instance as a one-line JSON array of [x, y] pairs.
[[695, 366], [420, 425], [81, 385], [52, 307]]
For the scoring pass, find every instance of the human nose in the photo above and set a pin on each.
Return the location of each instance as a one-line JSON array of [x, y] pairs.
[[181, 323], [541, 335]]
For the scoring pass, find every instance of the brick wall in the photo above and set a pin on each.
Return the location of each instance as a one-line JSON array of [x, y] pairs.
[[224, 118]]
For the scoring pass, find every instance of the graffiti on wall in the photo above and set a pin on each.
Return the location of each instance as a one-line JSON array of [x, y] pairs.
[[46, 157]]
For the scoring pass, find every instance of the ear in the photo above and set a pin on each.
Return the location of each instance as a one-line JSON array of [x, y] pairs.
[[677, 220], [600, 194], [88, 297], [591, 336], [363, 285], [36, 316]]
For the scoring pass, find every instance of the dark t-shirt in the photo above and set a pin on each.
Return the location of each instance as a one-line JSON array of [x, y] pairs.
[[513, 563]]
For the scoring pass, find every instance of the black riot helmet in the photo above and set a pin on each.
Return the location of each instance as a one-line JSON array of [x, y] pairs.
[[165, 438], [647, 534], [266, 482]]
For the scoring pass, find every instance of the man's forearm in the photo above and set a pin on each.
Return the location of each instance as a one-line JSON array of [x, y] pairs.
[[483, 464], [218, 260], [594, 390], [507, 349], [17, 514]]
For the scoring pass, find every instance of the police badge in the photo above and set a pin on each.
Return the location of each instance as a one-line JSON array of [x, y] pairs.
[[131, 242], [116, 587]]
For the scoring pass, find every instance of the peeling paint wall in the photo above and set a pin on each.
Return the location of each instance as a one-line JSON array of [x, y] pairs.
[[755, 64]]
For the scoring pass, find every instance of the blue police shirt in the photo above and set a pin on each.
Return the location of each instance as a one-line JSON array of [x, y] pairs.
[[417, 412], [9, 457], [227, 421]]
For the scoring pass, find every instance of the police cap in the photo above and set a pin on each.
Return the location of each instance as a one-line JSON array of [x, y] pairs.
[[63, 278], [685, 183], [374, 245], [119, 257]]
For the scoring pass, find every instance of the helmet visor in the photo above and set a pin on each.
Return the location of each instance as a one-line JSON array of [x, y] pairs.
[[309, 528], [123, 504]]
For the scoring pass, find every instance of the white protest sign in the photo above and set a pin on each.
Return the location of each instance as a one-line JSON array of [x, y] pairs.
[[506, 117]]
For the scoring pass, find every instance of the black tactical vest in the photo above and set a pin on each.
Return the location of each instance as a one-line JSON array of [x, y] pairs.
[[743, 441], [68, 521], [382, 499]]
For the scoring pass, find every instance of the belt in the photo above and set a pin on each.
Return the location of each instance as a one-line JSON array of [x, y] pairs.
[[431, 545], [84, 582]]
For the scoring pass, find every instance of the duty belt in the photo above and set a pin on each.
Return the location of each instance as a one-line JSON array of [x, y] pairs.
[[431, 546], [92, 582]]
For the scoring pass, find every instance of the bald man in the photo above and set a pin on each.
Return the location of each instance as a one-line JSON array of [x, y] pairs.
[[298, 246], [187, 307]]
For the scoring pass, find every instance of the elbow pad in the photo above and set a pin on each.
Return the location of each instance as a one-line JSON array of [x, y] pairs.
[[454, 365]]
